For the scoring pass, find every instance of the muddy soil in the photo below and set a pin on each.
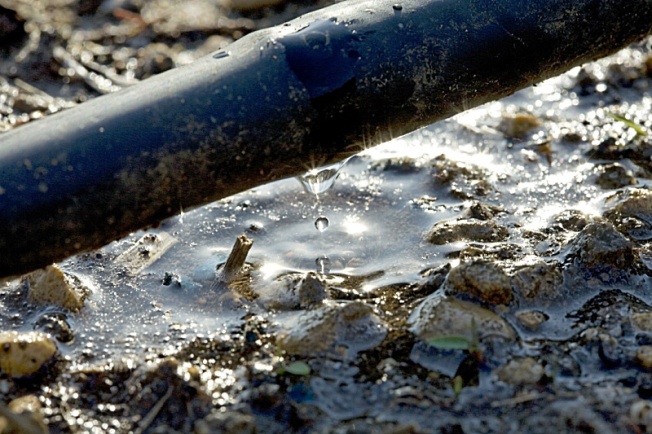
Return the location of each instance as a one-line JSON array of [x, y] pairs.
[[489, 273]]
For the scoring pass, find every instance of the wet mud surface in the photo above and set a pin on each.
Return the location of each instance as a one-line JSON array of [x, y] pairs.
[[489, 273]]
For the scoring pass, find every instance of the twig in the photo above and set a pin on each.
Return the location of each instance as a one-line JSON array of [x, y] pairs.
[[153, 412], [233, 265]]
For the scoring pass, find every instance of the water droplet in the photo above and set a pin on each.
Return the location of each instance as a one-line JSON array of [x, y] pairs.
[[323, 265], [221, 54], [321, 179], [321, 224], [397, 7]]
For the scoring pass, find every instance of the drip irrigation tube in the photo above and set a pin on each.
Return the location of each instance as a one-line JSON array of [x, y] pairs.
[[312, 90]]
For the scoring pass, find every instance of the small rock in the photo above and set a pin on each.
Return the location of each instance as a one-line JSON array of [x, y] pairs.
[[640, 413], [532, 319], [613, 176], [481, 211], [471, 230], [295, 291], [521, 371], [51, 285], [24, 354], [642, 321], [346, 328], [609, 351], [23, 415], [230, 422], [56, 325], [439, 316], [631, 212], [538, 281], [644, 356], [518, 125], [465, 180], [600, 244], [482, 279], [572, 220]]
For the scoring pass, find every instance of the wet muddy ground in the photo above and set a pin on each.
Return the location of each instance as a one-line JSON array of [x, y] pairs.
[[489, 273]]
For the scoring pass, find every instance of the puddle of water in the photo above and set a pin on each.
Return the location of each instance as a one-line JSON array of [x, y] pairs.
[[371, 217]]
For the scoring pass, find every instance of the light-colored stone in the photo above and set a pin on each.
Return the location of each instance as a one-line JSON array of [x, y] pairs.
[[644, 356], [24, 353], [521, 371], [343, 328], [439, 316], [51, 285]]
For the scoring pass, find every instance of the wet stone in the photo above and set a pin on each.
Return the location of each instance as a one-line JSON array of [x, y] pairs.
[[640, 414], [631, 212], [519, 125], [481, 211], [230, 422], [439, 316], [644, 356], [521, 371], [609, 351], [471, 230], [538, 281], [601, 245], [342, 329], [572, 220], [56, 325], [53, 286], [532, 319], [295, 291], [613, 176], [25, 416], [466, 181], [642, 321], [496, 252], [482, 279], [24, 354]]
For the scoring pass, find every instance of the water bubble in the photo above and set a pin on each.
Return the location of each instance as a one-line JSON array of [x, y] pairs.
[[317, 181], [321, 224], [397, 7], [323, 265]]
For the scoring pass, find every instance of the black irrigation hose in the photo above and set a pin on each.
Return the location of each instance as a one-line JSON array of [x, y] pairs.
[[311, 90]]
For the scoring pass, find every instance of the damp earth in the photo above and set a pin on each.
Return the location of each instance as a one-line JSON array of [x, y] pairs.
[[489, 273]]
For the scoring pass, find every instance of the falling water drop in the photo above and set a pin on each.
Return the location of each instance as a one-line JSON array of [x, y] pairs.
[[318, 180], [321, 223], [323, 265]]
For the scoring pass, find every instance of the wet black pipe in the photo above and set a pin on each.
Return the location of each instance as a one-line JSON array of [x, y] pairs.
[[275, 102]]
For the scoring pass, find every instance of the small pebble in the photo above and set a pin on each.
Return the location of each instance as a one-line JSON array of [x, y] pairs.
[[24, 354], [483, 279], [521, 371], [644, 356], [51, 285], [439, 316], [471, 230], [532, 319]]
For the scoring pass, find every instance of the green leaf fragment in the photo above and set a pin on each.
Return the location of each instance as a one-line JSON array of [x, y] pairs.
[[450, 342], [631, 124], [298, 368]]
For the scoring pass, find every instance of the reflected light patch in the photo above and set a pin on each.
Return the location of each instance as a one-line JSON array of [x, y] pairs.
[[353, 226]]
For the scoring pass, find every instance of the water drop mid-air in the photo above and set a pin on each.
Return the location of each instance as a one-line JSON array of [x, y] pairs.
[[323, 265], [321, 223]]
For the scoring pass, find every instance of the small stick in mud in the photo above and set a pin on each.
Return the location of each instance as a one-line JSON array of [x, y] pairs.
[[234, 263]]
